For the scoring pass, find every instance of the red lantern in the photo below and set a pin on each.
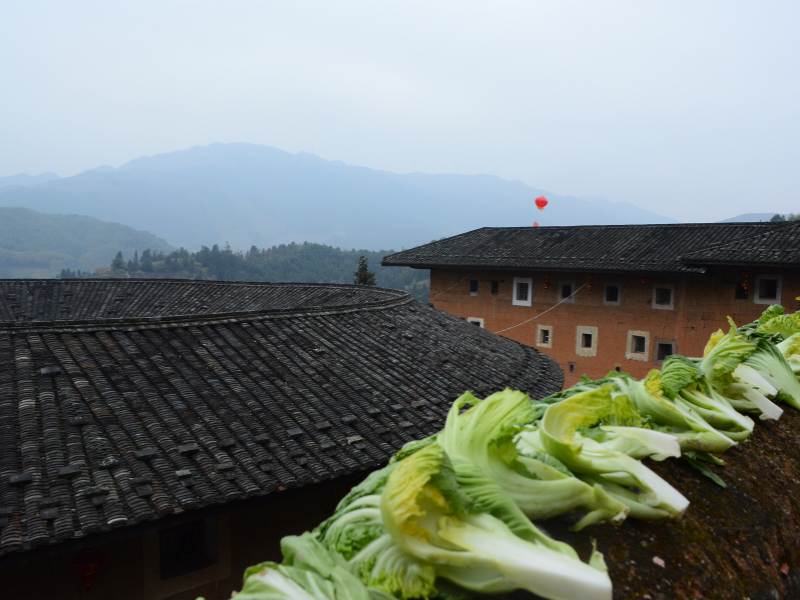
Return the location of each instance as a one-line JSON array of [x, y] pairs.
[[535, 224], [540, 202]]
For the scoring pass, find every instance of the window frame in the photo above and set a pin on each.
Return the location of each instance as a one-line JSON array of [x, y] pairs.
[[580, 330], [476, 321], [660, 342], [619, 293], [630, 353], [571, 297], [667, 286], [157, 588], [757, 299], [477, 287], [517, 302], [539, 330]]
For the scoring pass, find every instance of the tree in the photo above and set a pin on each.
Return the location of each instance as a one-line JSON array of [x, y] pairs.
[[118, 264], [777, 218], [363, 276]]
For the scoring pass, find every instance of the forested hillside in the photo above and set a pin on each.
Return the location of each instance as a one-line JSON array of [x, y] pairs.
[[306, 262], [33, 244]]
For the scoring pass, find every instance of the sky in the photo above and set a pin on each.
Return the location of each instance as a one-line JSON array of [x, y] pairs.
[[685, 107]]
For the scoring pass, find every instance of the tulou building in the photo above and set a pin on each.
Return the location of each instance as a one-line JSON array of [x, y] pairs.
[[157, 437], [624, 297]]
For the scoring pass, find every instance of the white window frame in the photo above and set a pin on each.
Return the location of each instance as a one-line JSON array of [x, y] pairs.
[[514, 300], [571, 297], [672, 343], [579, 349], [539, 342], [629, 353], [671, 305], [779, 289], [619, 293], [476, 321]]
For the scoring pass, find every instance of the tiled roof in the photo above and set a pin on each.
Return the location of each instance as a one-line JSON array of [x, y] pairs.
[[778, 246], [613, 248], [124, 401]]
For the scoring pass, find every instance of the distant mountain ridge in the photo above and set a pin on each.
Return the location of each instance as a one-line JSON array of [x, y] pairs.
[[750, 218], [247, 195], [25, 180], [33, 244]]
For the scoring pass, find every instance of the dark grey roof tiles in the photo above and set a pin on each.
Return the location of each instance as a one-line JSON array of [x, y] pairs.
[[142, 414], [778, 246], [612, 248]]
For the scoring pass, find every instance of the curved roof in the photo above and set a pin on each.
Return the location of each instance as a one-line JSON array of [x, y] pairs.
[[125, 400]]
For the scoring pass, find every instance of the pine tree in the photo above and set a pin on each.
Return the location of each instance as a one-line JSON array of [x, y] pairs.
[[363, 276], [118, 264]]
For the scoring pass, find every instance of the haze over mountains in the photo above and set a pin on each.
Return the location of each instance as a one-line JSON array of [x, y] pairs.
[[258, 195]]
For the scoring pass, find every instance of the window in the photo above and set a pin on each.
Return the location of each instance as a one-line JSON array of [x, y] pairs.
[[475, 321], [473, 287], [586, 340], [638, 345], [768, 289], [611, 293], [663, 297], [495, 287], [571, 367], [565, 290], [523, 291], [741, 292], [187, 547], [664, 349], [544, 336]]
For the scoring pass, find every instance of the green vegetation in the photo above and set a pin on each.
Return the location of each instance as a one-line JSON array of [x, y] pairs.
[[33, 244], [779, 218], [306, 262], [450, 515]]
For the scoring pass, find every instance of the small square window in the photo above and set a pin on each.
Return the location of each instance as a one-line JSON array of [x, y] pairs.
[[473, 287], [638, 345], [664, 349], [477, 321], [663, 297], [768, 289], [565, 290], [611, 293], [544, 336], [571, 367], [522, 291], [495, 287], [187, 547], [586, 340]]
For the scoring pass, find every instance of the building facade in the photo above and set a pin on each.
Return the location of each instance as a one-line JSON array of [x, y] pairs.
[[624, 298]]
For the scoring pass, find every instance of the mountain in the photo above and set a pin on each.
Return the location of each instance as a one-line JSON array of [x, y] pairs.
[[25, 180], [750, 218], [257, 195], [33, 244]]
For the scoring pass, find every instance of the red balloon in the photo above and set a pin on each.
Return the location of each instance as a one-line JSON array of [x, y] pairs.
[[540, 202], [535, 224]]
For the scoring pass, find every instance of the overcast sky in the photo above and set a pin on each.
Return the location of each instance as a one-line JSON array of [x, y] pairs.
[[690, 108]]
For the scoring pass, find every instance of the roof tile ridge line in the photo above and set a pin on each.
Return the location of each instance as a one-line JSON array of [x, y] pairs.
[[440, 240], [190, 320], [768, 228]]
